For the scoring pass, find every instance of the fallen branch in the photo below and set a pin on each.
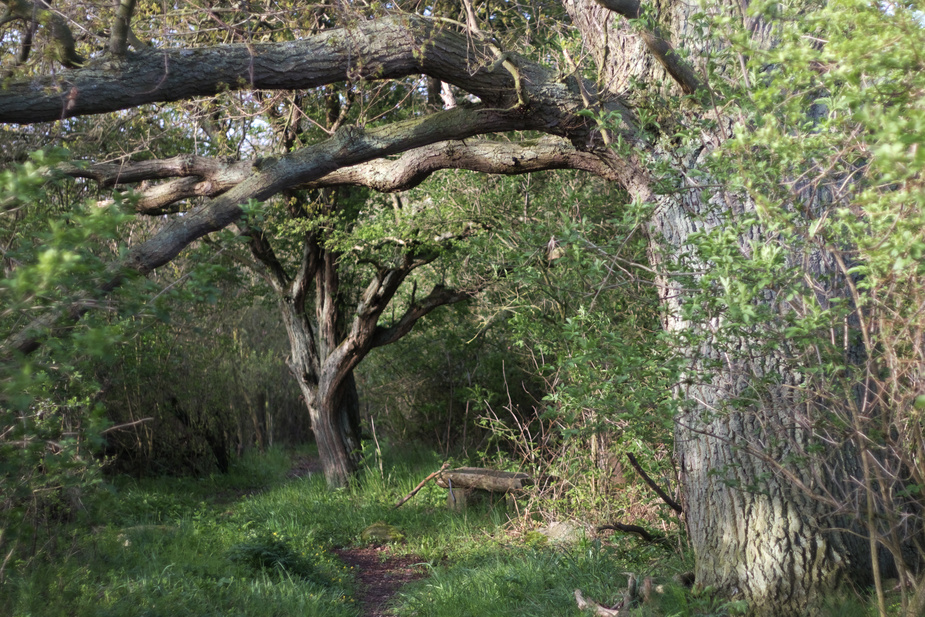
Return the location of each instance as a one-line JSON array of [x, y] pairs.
[[636, 529], [122, 427], [420, 485], [620, 609], [594, 606], [658, 491], [639, 531]]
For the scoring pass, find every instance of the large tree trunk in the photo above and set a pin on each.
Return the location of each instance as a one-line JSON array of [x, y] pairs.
[[760, 513], [762, 529], [335, 426]]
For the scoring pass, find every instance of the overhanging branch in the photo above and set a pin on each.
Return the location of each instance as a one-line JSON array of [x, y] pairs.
[[206, 177], [386, 48], [348, 146]]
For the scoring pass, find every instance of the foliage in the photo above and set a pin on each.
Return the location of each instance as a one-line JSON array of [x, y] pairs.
[[198, 390], [585, 322], [87, 395], [828, 149], [258, 542], [50, 413]]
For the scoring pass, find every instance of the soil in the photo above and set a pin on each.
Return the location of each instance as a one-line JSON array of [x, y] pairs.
[[379, 574]]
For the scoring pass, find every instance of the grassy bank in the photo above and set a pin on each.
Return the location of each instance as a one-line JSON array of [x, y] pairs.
[[255, 542]]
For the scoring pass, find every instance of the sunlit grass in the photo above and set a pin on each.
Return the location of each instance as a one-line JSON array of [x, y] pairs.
[[255, 542]]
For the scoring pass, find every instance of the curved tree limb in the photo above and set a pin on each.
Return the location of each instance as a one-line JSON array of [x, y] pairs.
[[348, 146], [389, 47], [385, 48], [208, 177], [438, 296]]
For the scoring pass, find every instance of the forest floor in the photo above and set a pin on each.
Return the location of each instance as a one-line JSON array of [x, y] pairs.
[[380, 573], [270, 538], [381, 576]]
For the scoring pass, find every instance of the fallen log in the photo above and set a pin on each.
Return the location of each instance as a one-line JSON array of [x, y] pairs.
[[484, 479], [470, 485]]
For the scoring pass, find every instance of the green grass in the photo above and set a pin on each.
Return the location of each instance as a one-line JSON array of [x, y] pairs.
[[254, 542]]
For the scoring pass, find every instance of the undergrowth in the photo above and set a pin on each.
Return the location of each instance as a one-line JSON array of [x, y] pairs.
[[255, 542]]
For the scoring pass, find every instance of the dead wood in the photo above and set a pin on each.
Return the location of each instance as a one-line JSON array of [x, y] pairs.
[[621, 608], [655, 487], [484, 479], [420, 485]]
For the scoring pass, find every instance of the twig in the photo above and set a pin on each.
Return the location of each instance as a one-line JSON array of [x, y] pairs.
[[671, 502], [6, 560], [372, 424], [415, 490], [120, 427]]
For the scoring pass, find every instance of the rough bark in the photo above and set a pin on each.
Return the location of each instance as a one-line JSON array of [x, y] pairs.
[[335, 425], [386, 48], [762, 529], [324, 353], [349, 146]]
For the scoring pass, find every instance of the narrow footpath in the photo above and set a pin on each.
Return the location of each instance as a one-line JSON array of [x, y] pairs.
[[379, 575]]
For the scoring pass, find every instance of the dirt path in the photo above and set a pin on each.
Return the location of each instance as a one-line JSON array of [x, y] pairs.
[[379, 575], [304, 466]]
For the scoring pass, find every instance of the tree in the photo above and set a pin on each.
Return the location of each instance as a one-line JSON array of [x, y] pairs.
[[663, 101]]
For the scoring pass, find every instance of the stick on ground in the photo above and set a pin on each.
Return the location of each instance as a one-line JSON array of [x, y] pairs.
[[421, 485]]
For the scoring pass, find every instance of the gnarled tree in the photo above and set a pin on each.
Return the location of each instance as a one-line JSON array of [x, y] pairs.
[[761, 528]]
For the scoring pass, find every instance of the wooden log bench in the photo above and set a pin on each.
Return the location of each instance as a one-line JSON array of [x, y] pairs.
[[469, 485]]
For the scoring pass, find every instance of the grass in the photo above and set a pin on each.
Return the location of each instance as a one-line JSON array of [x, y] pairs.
[[254, 542]]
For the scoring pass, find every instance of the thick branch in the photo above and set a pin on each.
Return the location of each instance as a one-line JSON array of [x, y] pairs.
[[658, 46], [263, 252], [438, 296], [506, 158], [349, 146], [201, 176], [382, 49], [111, 174]]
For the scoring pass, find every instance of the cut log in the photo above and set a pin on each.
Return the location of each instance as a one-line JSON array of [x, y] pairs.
[[470, 485], [484, 479]]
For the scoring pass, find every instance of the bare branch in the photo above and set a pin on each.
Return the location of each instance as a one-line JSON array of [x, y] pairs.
[[201, 176], [348, 146], [438, 296], [272, 269], [655, 487], [386, 48]]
